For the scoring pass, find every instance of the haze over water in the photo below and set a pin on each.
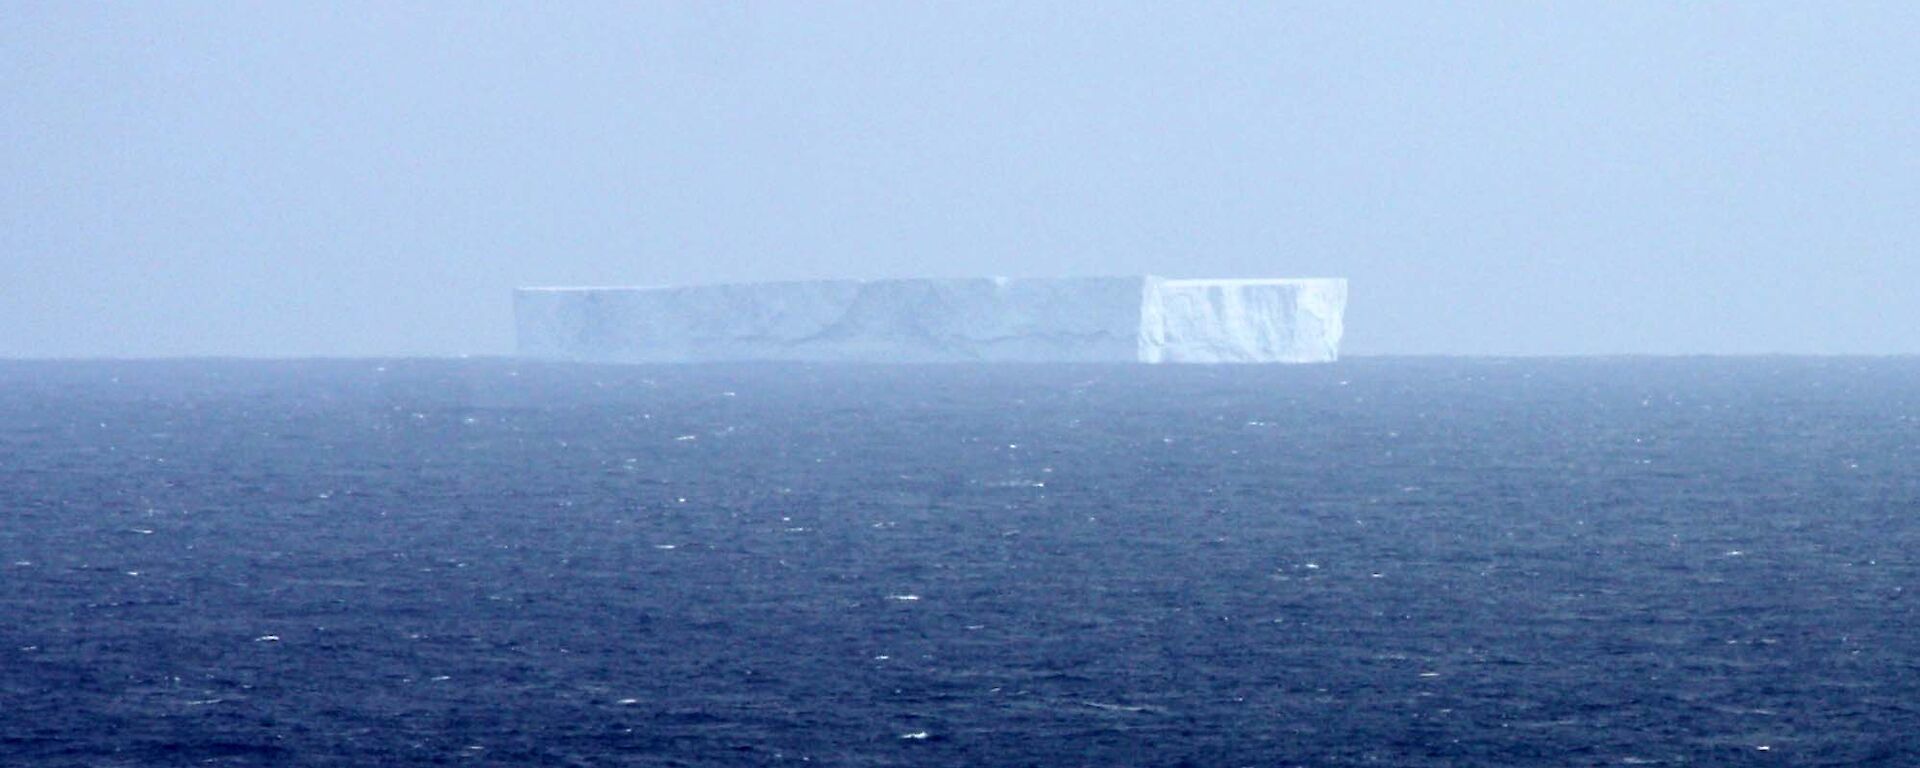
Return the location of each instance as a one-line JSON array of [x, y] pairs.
[[350, 179]]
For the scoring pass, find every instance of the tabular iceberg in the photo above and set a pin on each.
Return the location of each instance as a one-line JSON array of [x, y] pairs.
[[1100, 319]]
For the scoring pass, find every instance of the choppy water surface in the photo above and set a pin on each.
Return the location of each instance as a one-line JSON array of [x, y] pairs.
[[1380, 562]]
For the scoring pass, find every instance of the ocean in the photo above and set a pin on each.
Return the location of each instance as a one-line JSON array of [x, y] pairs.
[[1381, 562]]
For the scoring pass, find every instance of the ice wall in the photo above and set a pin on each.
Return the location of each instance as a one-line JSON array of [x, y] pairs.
[[1107, 319], [1242, 321]]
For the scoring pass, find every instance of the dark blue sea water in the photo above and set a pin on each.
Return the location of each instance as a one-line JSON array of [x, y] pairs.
[[1381, 562]]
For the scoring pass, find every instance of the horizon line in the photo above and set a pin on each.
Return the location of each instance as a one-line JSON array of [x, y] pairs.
[[1345, 357]]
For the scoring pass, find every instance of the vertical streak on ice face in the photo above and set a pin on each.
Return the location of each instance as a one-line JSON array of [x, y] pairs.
[[1322, 316], [1153, 325]]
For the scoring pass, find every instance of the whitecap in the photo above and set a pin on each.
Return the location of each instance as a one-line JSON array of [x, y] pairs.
[[1123, 707]]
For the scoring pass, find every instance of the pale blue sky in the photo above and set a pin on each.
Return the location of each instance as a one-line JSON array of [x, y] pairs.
[[1508, 178]]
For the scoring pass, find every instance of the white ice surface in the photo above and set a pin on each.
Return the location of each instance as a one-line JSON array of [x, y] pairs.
[[1107, 319], [1242, 321]]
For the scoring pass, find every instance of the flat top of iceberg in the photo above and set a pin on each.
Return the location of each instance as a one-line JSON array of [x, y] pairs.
[[999, 279], [815, 281], [1231, 281]]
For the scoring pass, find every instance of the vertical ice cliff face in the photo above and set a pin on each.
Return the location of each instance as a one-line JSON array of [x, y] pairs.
[[1108, 319], [989, 319], [1242, 321]]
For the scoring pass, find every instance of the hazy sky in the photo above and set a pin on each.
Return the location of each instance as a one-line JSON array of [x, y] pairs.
[[344, 179]]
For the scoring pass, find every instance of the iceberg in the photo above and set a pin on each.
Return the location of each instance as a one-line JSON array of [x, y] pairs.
[[1142, 319]]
